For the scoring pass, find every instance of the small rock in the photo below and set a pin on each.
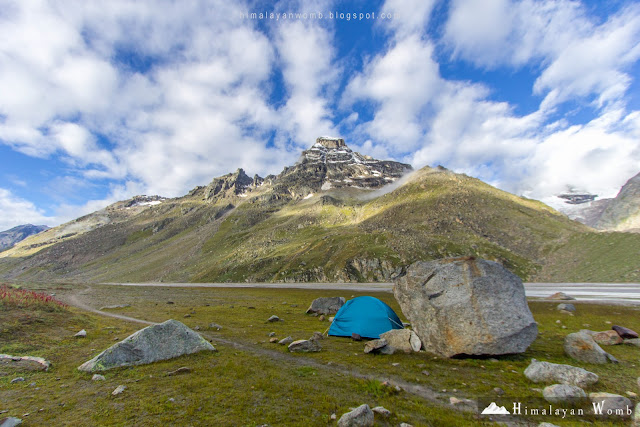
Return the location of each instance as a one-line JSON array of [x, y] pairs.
[[321, 318], [214, 326], [395, 364], [272, 334], [273, 340], [403, 339], [624, 332], [81, 334], [109, 307], [381, 410], [304, 346], [611, 402], [331, 319], [375, 346], [607, 338], [273, 318], [118, 390], [566, 307], [498, 391], [317, 336], [608, 322], [179, 371], [406, 425], [361, 416], [333, 417], [564, 393], [631, 394], [197, 328], [557, 373], [98, 377], [17, 380], [560, 296], [169, 302], [171, 399], [187, 315], [287, 340], [356, 337], [582, 347]]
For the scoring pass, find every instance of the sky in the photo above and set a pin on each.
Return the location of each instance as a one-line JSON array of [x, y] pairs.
[[101, 101]]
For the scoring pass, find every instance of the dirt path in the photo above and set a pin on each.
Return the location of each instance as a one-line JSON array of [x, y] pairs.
[[75, 299]]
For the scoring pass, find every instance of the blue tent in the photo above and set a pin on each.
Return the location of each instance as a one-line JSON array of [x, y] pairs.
[[366, 316]]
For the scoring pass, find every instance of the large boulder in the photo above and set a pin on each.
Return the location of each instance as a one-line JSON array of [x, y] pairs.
[[580, 346], [157, 342], [362, 416], [326, 305], [402, 339], [545, 372], [466, 306]]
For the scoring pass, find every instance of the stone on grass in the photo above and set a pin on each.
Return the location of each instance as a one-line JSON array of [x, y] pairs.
[[611, 404], [381, 410], [607, 338], [24, 363], [564, 393], [402, 339], [632, 341], [376, 346], [580, 346], [566, 307], [360, 417], [273, 340], [356, 337], [560, 296], [156, 342], [10, 422], [326, 305], [273, 318], [214, 326], [625, 332], [111, 307], [636, 416], [317, 336], [81, 334], [304, 346], [180, 371], [118, 390], [545, 372], [466, 306], [17, 380], [547, 425], [98, 377], [287, 340]]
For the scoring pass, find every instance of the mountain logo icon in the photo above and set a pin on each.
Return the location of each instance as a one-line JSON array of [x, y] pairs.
[[494, 409]]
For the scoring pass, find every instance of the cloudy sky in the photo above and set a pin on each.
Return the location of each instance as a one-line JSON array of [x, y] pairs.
[[103, 100]]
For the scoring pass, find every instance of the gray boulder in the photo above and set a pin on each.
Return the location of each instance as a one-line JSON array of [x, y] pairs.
[[362, 416], [402, 339], [609, 404], [545, 372], [156, 342], [285, 341], [304, 346], [633, 341], [379, 346], [326, 305], [580, 346], [564, 393], [10, 422], [566, 307], [466, 306]]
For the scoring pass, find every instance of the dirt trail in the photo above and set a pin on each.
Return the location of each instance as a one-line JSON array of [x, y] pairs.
[[426, 393]]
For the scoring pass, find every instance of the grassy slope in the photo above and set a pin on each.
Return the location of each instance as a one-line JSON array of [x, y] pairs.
[[235, 387], [435, 214]]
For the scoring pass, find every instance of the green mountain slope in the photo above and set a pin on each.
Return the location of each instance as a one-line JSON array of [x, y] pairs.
[[243, 229]]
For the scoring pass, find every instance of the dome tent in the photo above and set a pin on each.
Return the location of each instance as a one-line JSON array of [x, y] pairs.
[[366, 316]]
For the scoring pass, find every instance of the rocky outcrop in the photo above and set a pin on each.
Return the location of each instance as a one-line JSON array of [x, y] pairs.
[[233, 184], [580, 346], [466, 306], [326, 305], [545, 372], [623, 212], [157, 342]]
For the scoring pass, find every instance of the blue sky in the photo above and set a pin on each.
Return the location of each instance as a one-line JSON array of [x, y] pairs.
[[100, 101]]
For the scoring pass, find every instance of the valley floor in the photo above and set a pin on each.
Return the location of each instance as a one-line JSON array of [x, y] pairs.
[[250, 381]]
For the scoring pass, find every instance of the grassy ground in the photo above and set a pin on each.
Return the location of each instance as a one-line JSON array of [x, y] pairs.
[[258, 382]]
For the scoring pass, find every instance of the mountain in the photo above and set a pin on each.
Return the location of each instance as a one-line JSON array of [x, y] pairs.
[[621, 213], [336, 215], [10, 237]]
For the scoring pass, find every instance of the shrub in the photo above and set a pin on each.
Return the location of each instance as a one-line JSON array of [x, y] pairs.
[[12, 297]]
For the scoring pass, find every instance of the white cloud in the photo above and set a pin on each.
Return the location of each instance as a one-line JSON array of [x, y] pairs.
[[579, 56], [17, 211]]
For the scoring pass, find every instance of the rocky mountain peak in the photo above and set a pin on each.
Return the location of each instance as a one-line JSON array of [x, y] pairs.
[[330, 142]]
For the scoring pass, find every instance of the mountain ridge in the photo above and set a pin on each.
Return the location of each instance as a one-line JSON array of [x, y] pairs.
[[287, 228]]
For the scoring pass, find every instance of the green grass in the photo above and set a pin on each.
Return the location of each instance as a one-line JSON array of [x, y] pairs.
[[252, 385]]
